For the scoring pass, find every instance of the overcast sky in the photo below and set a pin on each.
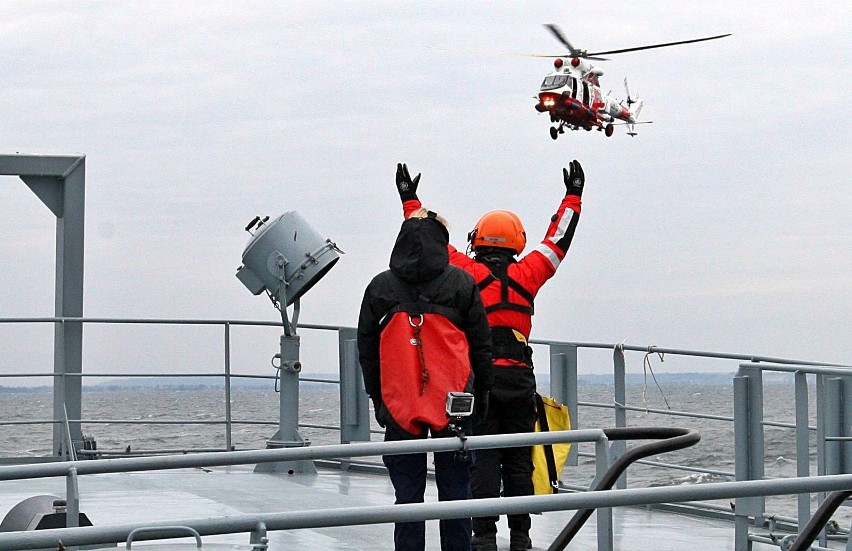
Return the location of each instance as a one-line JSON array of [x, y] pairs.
[[725, 225]]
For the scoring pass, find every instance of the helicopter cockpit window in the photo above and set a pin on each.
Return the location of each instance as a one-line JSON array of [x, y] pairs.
[[551, 82]]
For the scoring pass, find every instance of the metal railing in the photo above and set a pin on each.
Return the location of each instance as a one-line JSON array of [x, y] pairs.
[[258, 524], [114, 534], [831, 428], [349, 382]]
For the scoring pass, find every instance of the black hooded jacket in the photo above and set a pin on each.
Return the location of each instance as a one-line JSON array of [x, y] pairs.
[[419, 256]]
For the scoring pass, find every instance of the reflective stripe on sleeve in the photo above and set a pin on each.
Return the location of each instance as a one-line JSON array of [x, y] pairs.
[[549, 254], [561, 230]]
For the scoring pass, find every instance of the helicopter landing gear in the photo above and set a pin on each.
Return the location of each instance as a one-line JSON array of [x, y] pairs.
[[608, 129], [555, 131]]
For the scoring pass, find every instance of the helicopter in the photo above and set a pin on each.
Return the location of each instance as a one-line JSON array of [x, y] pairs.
[[572, 95]]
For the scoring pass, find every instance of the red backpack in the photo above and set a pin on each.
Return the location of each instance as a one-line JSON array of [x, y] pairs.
[[423, 355]]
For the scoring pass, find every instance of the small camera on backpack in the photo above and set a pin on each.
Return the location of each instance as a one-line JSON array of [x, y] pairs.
[[459, 405]]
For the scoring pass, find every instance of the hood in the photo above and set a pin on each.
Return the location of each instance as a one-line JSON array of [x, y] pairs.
[[420, 253]]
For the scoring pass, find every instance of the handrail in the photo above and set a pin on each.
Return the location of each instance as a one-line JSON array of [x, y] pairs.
[[169, 531], [333, 451], [168, 321], [672, 439], [590, 345], [379, 514], [810, 369], [684, 352]]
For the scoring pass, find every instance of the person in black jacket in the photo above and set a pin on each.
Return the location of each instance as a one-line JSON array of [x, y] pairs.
[[419, 268]]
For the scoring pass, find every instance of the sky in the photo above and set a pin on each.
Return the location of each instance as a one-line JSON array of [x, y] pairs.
[[723, 226]]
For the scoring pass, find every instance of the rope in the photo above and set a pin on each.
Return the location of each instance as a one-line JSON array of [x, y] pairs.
[[648, 368], [424, 374]]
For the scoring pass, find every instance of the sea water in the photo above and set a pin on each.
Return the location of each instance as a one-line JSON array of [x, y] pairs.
[[126, 419]]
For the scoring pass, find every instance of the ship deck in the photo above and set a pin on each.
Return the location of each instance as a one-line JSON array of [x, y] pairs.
[[122, 498]]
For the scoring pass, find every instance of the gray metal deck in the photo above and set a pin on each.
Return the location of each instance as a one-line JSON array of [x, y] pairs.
[[225, 491]]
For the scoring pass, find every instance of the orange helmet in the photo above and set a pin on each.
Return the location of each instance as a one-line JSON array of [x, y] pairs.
[[499, 228]]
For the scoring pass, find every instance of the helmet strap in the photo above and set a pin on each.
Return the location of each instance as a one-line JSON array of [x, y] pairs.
[[471, 235]]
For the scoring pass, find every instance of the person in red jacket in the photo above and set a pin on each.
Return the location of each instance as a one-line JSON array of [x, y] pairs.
[[508, 286]]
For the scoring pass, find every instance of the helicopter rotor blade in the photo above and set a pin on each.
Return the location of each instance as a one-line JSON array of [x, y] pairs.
[[557, 32], [658, 45], [496, 53]]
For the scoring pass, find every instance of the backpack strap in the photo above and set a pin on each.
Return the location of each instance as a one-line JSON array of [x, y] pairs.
[[418, 300], [548, 448], [499, 272]]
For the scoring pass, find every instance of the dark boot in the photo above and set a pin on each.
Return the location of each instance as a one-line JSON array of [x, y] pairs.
[[519, 541], [486, 542]]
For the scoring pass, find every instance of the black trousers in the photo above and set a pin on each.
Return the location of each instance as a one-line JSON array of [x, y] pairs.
[[408, 475], [511, 409]]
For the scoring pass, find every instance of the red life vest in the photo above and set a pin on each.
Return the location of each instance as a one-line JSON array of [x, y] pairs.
[[423, 356], [502, 293]]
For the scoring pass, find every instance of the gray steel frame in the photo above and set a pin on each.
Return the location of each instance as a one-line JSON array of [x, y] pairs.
[[59, 181]]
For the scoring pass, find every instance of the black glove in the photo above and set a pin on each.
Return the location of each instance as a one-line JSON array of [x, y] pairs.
[[377, 408], [575, 179], [406, 187], [480, 407]]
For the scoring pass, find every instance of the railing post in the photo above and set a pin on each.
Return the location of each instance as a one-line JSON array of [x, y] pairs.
[[833, 425], [838, 412], [748, 449], [72, 502], [822, 451], [834, 414], [603, 460], [228, 433], [833, 428], [563, 385], [354, 407], [820, 432], [845, 422], [72, 499], [620, 399], [803, 460], [259, 540]]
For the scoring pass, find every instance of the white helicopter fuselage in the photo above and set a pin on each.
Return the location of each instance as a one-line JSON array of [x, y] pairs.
[[571, 94]]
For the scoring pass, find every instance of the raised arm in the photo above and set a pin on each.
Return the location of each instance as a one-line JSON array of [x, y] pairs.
[[407, 188], [560, 232]]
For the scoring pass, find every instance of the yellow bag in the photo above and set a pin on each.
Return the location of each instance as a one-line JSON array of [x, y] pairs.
[[549, 460]]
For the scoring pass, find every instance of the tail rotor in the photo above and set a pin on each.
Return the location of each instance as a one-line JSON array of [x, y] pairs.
[[630, 100], [634, 113]]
